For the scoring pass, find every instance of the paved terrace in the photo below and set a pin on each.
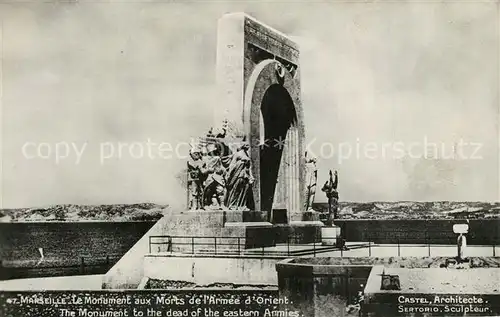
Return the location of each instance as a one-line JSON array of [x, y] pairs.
[[81, 282]]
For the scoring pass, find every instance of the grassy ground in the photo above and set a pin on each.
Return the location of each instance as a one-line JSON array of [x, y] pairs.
[[332, 306], [406, 262]]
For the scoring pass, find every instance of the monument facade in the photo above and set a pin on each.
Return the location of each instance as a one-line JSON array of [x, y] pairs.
[[258, 76]]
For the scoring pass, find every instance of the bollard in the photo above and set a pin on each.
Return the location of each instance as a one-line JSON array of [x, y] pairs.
[[170, 246], [461, 246]]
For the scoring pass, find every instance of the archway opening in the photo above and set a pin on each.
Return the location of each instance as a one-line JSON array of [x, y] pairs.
[[278, 115]]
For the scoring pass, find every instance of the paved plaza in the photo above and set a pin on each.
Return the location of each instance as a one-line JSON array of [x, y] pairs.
[[79, 282]]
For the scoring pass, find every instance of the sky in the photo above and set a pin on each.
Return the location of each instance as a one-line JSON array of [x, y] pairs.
[[107, 79]]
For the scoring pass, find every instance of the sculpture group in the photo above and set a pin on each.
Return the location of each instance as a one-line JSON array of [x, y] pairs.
[[329, 188], [221, 178], [218, 177]]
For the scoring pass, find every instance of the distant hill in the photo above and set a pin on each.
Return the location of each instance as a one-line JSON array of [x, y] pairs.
[[69, 212], [415, 210], [348, 210]]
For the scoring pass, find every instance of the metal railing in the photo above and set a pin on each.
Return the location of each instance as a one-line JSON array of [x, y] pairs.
[[227, 245], [395, 244], [422, 239]]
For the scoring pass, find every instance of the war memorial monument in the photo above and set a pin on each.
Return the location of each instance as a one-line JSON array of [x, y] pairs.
[[246, 181], [249, 221]]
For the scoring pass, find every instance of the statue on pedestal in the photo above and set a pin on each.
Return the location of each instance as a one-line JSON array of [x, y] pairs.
[[311, 179], [239, 180], [330, 189]]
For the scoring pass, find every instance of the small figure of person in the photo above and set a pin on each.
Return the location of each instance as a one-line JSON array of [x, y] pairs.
[[330, 189], [215, 183], [239, 179], [311, 179], [195, 179]]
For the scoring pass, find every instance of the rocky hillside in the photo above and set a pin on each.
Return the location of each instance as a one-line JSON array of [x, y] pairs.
[[416, 210], [348, 210], [120, 212]]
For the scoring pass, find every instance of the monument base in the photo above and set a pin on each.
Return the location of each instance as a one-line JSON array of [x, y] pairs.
[[189, 231], [250, 228], [305, 216], [330, 235], [203, 232]]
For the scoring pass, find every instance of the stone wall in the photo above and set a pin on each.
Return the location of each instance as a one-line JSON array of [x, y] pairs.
[[309, 285], [481, 231], [206, 270], [128, 271]]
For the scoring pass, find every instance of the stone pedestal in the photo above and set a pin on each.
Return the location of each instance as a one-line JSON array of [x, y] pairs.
[[305, 216], [330, 235]]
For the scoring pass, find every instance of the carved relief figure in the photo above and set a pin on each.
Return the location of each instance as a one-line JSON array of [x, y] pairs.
[[239, 179], [311, 179], [215, 183], [195, 179], [223, 131], [217, 176]]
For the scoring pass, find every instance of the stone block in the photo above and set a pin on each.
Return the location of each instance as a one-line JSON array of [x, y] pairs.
[[330, 235]]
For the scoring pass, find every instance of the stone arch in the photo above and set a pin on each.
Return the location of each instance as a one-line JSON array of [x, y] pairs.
[[266, 86]]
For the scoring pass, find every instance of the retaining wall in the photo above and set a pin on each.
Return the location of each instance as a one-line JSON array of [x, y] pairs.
[[309, 285], [208, 270], [415, 231]]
